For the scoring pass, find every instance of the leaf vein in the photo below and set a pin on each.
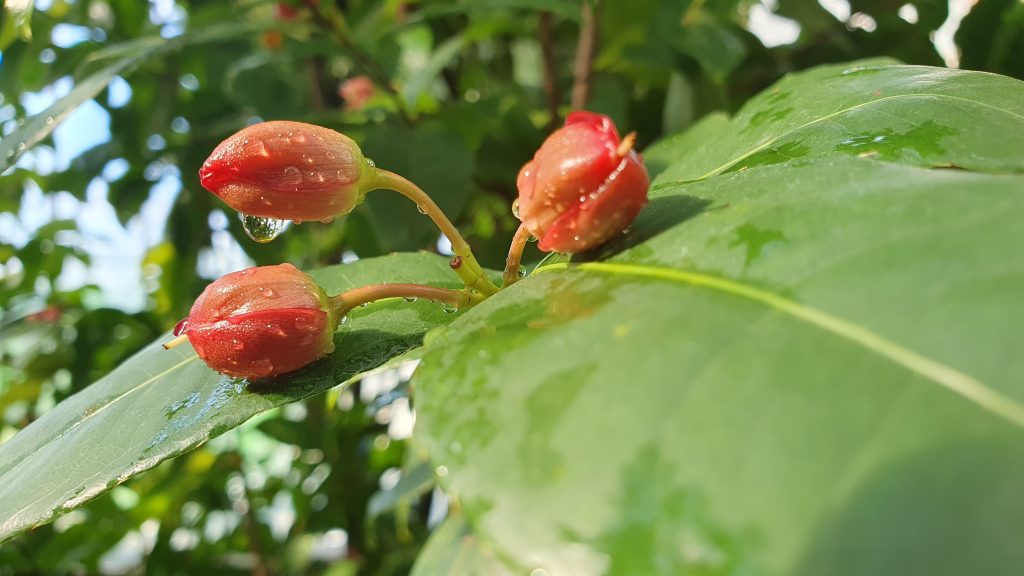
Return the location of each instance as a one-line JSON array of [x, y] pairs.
[[954, 380]]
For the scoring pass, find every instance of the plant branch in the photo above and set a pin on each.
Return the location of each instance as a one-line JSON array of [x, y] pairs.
[[515, 255], [334, 21], [551, 88], [585, 47], [464, 263]]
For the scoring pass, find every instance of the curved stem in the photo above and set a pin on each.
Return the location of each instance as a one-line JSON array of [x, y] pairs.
[[515, 255], [464, 264], [346, 301]]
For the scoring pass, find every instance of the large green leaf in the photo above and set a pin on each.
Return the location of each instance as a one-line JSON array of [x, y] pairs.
[[162, 403], [803, 358]]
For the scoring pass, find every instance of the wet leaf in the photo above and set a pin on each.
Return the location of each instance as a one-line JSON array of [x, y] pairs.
[[802, 359], [160, 403]]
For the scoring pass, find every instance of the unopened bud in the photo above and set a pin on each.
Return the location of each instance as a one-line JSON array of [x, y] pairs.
[[583, 186], [261, 322], [288, 171]]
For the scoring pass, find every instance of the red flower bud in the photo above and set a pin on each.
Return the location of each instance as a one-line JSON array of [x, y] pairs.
[[356, 92], [261, 322], [583, 186], [289, 171]]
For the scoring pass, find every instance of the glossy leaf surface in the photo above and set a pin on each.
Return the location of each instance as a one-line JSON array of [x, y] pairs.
[[802, 359]]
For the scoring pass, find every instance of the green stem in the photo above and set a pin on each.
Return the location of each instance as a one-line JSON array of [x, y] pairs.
[[515, 255], [464, 263], [346, 301]]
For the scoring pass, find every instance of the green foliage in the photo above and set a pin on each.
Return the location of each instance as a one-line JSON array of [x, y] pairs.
[[792, 361], [804, 342]]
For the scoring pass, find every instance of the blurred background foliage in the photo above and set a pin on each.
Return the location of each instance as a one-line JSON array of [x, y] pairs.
[[108, 108]]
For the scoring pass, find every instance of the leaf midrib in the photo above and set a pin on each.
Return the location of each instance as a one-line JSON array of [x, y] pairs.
[[944, 375], [102, 408]]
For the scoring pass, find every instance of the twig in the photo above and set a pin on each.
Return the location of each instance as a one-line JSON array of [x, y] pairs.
[[551, 88], [585, 48], [334, 22]]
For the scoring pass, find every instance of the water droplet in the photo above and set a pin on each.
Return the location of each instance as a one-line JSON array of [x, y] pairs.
[[449, 308], [180, 328], [21, 147], [421, 208], [410, 298], [576, 238], [455, 262], [583, 198], [327, 220], [269, 292], [49, 119], [515, 209], [442, 471], [370, 163], [261, 228], [10, 153], [237, 345], [532, 238], [261, 367], [343, 321], [292, 175], [521, 272]]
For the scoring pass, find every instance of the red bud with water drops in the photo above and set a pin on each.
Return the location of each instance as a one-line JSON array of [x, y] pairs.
[[261, 322], [583, 186], [287, 171]]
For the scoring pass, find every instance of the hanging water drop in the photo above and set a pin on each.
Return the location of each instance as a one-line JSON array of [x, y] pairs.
[[515, 209], [532, 238], [421, 208], [370, 163], [521, 271], [261, 228], [410, 298], [343, 321], [49, 119]]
